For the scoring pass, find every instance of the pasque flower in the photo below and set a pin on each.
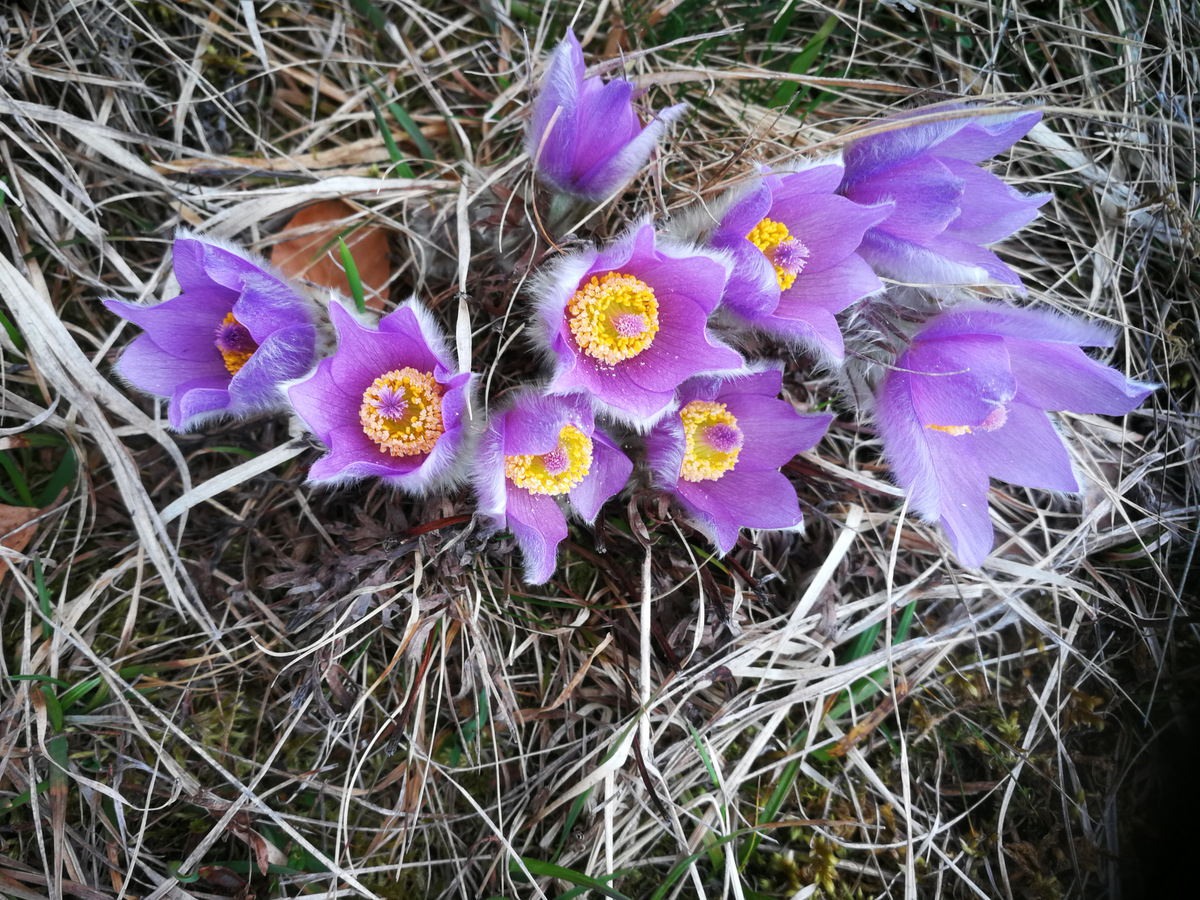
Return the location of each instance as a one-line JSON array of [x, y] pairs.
[[585, 137], [628, 324], [968, 400], [946, 207], [793, 242], [389, 403], [227, 343], [537, 452], [720, 454]]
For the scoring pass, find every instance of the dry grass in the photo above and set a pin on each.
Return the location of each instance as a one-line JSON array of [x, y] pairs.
[[218, 682]]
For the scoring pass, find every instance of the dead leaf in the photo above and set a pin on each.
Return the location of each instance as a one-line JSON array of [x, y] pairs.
[[15, 530], [319, 225]]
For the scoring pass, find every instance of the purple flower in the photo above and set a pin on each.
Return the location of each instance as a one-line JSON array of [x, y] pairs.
[[226, 344], [967, 400], [584, 136], [537, 450], [946, 207], [720, 454], [628, 324], [793, 241], [389, 403]]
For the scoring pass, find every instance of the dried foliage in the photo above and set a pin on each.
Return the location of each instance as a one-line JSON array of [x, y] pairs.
[[219, 682]]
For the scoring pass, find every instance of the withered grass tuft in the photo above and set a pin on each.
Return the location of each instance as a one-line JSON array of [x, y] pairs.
[[217, 682]]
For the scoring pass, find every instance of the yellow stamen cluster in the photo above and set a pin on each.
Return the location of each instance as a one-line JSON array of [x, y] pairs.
[[613, 318], [420, 425], [234, 359], [555, 472], [701, 461], [955, 430], [767, 235]]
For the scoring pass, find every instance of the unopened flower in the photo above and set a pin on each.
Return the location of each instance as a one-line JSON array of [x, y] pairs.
[[540, 451], [968, 400], [720, 454], [793, 242], [227, 343], [628, 324], [389, 403], [585, 138], [946, 207]]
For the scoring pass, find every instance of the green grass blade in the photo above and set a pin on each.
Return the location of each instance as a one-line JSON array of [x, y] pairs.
[[550, 870], [352, 276]]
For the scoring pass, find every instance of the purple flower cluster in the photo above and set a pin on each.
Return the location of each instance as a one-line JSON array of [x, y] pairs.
[[227, 343], [968, 400], [640, 335]]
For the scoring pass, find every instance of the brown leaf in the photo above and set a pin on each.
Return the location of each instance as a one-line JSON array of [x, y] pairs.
[[15, 530], [319, 225]]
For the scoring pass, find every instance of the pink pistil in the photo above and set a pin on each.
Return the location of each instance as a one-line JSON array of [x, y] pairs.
[[995, 419], [790, 255], [390, 405], [233, 337], [628, 325], [724, 438], [556, 461]]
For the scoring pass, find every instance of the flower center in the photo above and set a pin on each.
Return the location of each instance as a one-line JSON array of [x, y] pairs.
[[712, 440], [402, 412], [995, 419], [557, 471], [613, 318], [783, 251], [235, 343]]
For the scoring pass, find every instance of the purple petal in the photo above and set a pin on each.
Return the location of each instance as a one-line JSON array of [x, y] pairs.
[[197, 399], [831, 227], [991, 209], [792, 187], [913, 264], [324, 404], [963, 504], [984, 137], [606, 123], [150, 368], [752, 289], [1026, 450], [534, 423], [185, 326], [1014, 322], [284, 355], [610, 471], [959, 381], [869, 157], [554, 153], [353, 455], [926, 195], [620, 168], [364, 354], [1063, 377], [965, 253], [742, 500], [267, 305], [774, 432], [201, 263], [539, 527], [750, 209]]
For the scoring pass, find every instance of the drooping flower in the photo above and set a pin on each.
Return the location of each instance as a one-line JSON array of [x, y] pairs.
[[585, 138], [227, 343], [968, 400], [628, 324], [538, 451], [390, 403], [793, 242], [946, 207], [720, 454]]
